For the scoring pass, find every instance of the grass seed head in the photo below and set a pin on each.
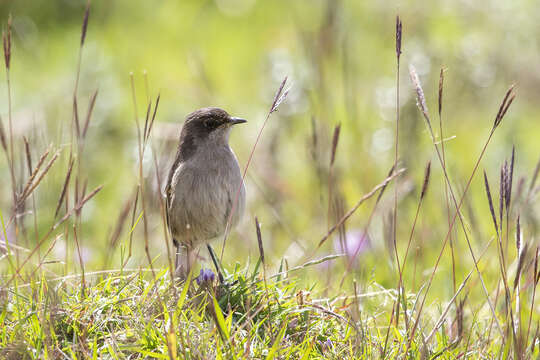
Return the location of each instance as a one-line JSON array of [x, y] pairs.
[[335, 140], [259, 239], [490, 200], [85, 22], [507, 101], [398, 37], [426, 180], [281, 95], [6, 39], [420, 97], [441, 86]]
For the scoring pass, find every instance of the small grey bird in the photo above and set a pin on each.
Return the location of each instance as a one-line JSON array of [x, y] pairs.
[[203, 184]]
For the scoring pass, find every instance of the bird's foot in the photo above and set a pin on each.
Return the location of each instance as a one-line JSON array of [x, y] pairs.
[[180, 274]]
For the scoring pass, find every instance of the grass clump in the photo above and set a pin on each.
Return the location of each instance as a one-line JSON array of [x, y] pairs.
[[131, 314]]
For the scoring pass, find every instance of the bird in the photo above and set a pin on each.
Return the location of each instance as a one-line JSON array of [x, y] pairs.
[[205, 188]]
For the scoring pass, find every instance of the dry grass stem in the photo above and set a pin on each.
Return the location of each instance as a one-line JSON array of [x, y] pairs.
[[398, 36], [259, 240], [28, 155], [3, 141], [163, 212], [490, 201], [83, 280], [280, 96], [426, 180], [335, 141], [76, 118], [507, 101], [85, 22], [91, 105], [421, 99], [64, 188], [87, 198], [360, 202], [132, 225], [51, 230], [423, 107], [31, 186], [534, 177], [508, 190]]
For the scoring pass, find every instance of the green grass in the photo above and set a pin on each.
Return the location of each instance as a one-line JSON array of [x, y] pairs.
[[135, 315], [132, 314]]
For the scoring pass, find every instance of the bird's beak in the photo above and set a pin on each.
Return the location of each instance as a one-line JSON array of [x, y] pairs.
[[236, 120]]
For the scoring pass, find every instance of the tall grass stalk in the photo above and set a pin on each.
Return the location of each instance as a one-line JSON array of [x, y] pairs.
[[280, 96], [507, 101], [445, 185]]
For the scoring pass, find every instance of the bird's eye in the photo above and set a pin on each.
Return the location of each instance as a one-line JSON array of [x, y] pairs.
[[211, 123]]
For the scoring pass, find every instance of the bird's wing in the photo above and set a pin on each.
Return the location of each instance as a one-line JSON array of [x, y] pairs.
[[169, 193]]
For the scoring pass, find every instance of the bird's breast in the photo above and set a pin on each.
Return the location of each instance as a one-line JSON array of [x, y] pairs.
[[206, 189]]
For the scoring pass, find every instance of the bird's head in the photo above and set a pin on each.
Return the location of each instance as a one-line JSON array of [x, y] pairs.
[[209, 124]]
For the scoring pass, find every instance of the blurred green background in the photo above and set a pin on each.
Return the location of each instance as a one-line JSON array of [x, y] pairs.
[[340, 60]]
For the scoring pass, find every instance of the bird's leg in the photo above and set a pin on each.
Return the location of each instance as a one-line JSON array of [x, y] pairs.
[[177, 261], [183, 259], [189, 259], [214, 260]]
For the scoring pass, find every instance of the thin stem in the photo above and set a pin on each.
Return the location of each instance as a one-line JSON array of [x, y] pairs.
[[467, 186], [278, 99], [140, 148], [441, 131], [395, 212]]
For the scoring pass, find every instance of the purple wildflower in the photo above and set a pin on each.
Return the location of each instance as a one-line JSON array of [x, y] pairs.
[[356, 242], [326, 345], [206, 275]]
